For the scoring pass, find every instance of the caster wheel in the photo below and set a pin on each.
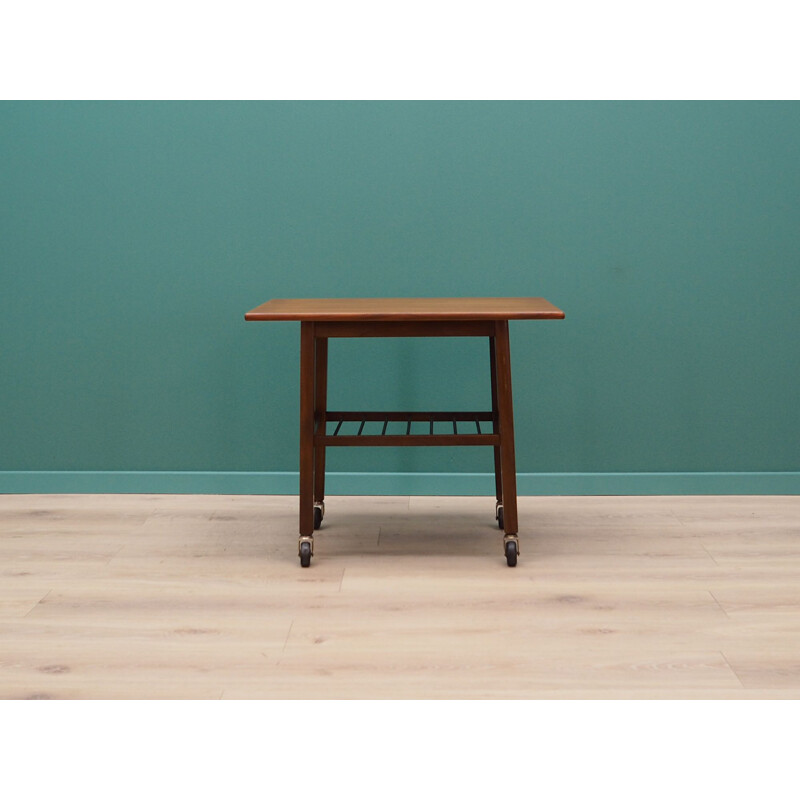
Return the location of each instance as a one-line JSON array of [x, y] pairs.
[[317, 517], [500, 517], [511, 554], [305, 554]]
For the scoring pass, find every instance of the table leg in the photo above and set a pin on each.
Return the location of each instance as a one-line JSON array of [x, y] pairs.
[[320, 409], [498, 485], [306, 429], [506, 420]]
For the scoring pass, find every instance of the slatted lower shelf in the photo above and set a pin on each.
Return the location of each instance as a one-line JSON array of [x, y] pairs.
[[469, 428]]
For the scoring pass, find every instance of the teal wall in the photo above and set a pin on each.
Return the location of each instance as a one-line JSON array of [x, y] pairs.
[[134, 236]]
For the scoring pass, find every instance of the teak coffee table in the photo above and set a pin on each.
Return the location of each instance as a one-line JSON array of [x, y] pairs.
[[329, 318]]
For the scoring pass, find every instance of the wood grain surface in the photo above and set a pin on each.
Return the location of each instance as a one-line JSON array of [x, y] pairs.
[[398, 309], [179, 596]]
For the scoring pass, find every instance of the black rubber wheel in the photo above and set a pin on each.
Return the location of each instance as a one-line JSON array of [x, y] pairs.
[[317, 517], [500, 518], [305, 554], [511, 554]]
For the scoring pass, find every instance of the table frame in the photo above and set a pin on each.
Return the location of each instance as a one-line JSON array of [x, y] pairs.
[[314, 416]]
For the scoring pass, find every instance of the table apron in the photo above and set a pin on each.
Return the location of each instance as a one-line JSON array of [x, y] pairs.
[[456, 327]]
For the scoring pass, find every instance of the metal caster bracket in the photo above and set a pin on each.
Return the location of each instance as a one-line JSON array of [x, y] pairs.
[[511, 537], [309, 540]]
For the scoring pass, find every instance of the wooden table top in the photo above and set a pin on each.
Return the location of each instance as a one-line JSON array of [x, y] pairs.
[[400, 309]]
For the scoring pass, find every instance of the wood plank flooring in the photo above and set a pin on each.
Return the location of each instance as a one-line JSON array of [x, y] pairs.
[[180, 596]]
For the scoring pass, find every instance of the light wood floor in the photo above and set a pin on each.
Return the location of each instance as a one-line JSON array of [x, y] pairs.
[[176, 596]]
